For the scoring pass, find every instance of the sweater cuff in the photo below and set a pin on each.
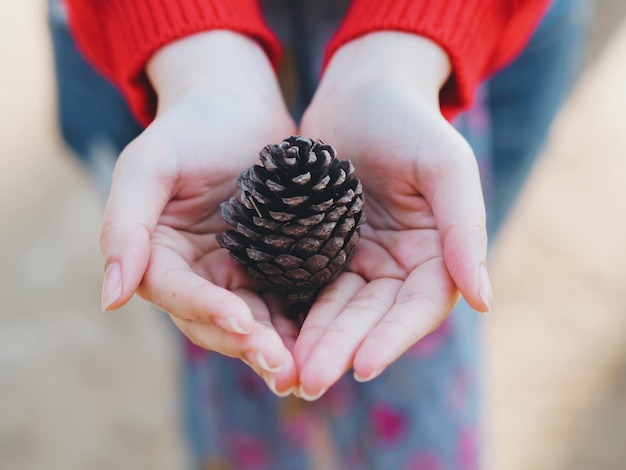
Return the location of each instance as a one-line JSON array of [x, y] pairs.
[[479, 36], [119, 37]]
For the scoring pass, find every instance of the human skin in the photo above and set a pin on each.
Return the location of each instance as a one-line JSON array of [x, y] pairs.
[[424, 239], [218, 104], [425, 236]]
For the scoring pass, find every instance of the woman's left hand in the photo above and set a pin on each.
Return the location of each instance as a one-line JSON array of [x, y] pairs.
[[425, 237]]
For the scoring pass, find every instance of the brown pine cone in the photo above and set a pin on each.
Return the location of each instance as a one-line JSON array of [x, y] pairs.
[[297, 221]]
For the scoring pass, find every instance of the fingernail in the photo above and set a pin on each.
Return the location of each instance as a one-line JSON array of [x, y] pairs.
[[309, 397], [484, 287], [112, 285], [372, 375], [237, 328], [260, 359], [231, 324], [271, 383]]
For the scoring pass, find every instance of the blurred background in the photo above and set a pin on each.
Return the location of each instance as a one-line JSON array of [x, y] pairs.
[[83, 389]]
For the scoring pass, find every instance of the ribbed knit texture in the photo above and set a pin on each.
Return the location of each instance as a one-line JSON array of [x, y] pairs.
[[119, 36], [479, 36]]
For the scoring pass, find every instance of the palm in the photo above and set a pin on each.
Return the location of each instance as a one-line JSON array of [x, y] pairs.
[[175, 175], [398, 286], [399, 234], [207, 166]]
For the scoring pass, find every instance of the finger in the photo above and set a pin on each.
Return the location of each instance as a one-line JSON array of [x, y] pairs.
[[330, 302], [281, 379], [172, 285], [334, 352], [424, 301], [262, 349], [451, 182], [139, 192], [286, 328]]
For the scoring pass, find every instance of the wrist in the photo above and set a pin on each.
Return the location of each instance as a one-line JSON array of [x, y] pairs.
[[218, 60], [394, 58]]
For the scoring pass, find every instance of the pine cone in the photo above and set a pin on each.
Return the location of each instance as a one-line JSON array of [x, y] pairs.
[[297, 221]]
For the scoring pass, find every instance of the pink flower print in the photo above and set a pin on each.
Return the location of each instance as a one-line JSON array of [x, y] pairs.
[[193, 353], [389, 425], [249, 452], [298, 429], [339, 399], [250, 383], [424, 460], [467, 450], [431, 342]]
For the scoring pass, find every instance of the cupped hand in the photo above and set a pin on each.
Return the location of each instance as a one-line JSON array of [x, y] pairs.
[[218, 105], [425, 237]]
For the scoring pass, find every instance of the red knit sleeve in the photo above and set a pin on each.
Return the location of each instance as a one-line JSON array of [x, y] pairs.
[[479, 36], [119, 36]]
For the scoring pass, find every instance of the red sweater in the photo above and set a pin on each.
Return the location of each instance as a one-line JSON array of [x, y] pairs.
[[479, 36]]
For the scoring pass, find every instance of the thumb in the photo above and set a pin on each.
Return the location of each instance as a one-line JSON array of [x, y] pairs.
[[456, 197], [139, 192]]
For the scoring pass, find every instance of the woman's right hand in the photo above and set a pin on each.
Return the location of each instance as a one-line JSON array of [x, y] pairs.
[[218, 105]]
